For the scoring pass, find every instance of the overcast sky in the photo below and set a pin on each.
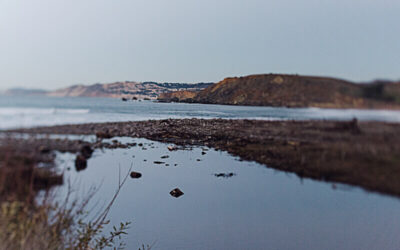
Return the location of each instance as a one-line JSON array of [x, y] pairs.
[[55, 43]]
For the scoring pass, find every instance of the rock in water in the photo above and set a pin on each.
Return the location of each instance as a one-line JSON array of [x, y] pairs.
[[172, 148], [80, 163], [135, 175], [225, 175], [176, 193], [86, 151]]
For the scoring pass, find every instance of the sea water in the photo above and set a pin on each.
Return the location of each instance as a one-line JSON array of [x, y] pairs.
[[30, 111]]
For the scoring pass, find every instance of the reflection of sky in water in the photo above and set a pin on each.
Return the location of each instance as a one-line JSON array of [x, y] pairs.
[[259, 208]]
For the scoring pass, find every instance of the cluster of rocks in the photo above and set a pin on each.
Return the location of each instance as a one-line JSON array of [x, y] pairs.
[[81, 159], [134, 98]]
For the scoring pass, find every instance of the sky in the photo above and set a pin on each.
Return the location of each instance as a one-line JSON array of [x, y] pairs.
[[55, 43]]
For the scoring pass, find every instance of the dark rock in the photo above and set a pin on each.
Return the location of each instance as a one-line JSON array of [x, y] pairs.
[[174, 99], [135, 175], [80, 163], [158, 162], [164, 157], [176, 193], [351, 126], [224, 175], [103, 134], [203, 153], [124, 99], [86, 151], [44, 150]]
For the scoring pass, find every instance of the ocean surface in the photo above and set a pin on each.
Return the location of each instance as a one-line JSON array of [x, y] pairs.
[[29, 111]]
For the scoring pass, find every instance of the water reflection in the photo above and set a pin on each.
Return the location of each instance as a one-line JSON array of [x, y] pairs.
[[258, 208]]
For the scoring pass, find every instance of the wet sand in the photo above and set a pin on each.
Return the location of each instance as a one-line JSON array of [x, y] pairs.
[[365, 154]]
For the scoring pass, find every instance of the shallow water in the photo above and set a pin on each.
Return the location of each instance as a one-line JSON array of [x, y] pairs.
[[29, 111], [258, 208]]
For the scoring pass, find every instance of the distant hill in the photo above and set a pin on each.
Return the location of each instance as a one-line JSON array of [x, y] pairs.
[[296, 91], [125, 89], [22, 91]]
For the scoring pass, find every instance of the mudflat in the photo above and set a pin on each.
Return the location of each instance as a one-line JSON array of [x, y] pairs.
[[365, 154]]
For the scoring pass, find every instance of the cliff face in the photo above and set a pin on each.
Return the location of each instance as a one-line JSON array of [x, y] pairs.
[[127, 89], [299, 91], [177, 96]]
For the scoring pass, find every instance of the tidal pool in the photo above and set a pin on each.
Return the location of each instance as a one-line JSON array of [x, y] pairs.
[[255, 208]]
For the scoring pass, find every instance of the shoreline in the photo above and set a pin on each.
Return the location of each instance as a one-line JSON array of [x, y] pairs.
[[364, 154], [316, 106]]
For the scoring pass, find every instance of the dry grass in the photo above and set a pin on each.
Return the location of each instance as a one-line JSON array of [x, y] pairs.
[[31, 222]]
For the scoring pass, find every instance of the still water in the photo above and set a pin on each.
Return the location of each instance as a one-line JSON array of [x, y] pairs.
[[29, 111], [256, 208]]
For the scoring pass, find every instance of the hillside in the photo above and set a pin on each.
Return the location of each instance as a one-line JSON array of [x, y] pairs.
[[299, 91], [177, 96], [125, 89]]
